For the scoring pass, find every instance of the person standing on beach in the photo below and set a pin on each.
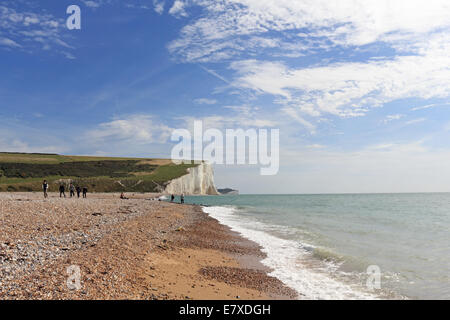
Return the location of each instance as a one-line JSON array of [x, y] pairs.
[[78, 191], [72, 190], [182, 198], [45, 188], [85, 190], [62, 191], [172, 198]]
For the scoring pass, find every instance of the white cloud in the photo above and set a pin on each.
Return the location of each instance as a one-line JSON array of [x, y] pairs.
[[30, 20], [138, 128], [27, 31], [351, 89], [242, 117], [429, 106], [393, 117], [158, 6], [68, 55], [134, 6], [178, 9], [205, 101], [226, 26], [417, 31], [92, 4], [18, 145], [16, 136], [414, 121], [223, 123], [9, 43]]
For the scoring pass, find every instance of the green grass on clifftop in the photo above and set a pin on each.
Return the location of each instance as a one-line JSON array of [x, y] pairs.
[[25, 172]]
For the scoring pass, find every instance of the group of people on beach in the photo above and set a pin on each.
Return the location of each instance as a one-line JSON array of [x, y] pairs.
[[62, 190], [84, 190]]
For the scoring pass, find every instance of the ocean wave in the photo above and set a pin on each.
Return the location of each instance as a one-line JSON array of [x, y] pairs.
[[290, 261]]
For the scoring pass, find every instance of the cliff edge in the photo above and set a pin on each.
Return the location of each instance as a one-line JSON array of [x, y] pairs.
[[198, 181]]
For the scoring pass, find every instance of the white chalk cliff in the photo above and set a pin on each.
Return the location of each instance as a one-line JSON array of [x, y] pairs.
[[198, 181]]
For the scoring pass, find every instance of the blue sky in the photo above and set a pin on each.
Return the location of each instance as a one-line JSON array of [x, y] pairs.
[[358, 88]]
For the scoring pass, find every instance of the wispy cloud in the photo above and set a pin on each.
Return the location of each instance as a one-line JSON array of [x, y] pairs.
[[227, 28], [295, 115], [205, 101], [137, 6], [351, 89], [178, 9], [216, 75], [18, 136], [393, 117], [258, 39], [415, 121], [92, 4], [9, 43], [18, 145], [136, 128], [429, 106], [27, 30], [68, 55], [241, 117], [158, 6]]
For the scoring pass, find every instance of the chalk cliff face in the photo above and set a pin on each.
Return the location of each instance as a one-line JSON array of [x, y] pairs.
[[198, 181]]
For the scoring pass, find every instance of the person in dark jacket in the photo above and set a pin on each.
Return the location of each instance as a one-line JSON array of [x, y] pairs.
[[78, 191], [62, 191], [45, 188], [85, 190]]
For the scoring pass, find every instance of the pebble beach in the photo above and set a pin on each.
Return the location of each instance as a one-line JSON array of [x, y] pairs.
[[104, 247]]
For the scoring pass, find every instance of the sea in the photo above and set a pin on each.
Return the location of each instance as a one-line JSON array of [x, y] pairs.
[[347, 246]]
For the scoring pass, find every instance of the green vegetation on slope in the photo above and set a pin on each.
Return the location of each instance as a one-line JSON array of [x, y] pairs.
[[25, 172]]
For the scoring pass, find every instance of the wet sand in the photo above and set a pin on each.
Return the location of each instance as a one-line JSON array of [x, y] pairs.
[[138, 248]]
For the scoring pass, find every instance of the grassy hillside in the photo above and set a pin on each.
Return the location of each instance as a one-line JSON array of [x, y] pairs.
[[25, 172]]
